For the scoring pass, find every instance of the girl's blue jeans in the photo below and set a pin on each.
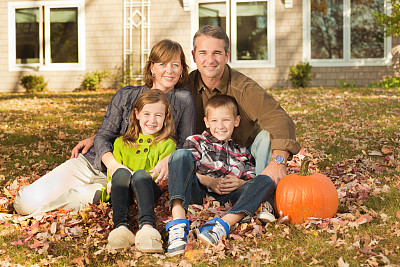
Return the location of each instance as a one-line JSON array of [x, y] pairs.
[[126, 185], [183, 184]]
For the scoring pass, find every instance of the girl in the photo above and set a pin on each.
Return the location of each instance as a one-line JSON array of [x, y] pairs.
[[149, 139]]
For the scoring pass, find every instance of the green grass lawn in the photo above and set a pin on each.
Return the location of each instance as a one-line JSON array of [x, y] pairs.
[[353, 136]]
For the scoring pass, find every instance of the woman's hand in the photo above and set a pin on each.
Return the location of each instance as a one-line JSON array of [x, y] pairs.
[[229, 184], [82, 147], [162, 169]]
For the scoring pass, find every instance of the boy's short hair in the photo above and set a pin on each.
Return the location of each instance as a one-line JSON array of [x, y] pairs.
[[222, 101]]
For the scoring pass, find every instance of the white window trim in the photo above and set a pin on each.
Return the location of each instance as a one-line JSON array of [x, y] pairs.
[[245, 64], [186, 5], [47, 65], [346, 61]]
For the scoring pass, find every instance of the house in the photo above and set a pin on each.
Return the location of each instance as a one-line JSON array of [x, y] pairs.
[[64, 39]]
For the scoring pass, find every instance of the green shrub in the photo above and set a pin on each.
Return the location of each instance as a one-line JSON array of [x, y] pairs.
[[92, 80], [388, 82], [390, 24], [300, 75], [33, 83], [343, 84]]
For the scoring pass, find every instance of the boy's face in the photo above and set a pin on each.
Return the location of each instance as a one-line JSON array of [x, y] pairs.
[[221, 122]]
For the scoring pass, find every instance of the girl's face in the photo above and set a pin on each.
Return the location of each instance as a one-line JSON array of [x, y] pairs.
[[151, 118], [167, 74]]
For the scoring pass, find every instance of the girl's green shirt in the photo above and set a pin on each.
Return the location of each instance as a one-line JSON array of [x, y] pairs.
[[141, 157]]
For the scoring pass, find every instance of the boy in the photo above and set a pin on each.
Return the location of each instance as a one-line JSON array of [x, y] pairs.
[[213, 164]]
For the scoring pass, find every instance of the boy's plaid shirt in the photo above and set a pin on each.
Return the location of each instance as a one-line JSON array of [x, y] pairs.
[[217, 158]]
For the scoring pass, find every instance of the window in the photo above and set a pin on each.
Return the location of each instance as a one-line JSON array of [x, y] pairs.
[[250, 26], [46, 35], [344, 33]]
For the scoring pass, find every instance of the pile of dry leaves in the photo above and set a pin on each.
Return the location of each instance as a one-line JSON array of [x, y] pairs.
[[94, 223]]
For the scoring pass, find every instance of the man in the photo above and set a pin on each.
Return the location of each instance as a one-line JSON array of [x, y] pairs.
[[265, 126]]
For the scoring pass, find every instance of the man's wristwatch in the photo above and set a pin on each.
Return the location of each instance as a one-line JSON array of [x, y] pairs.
[[279, 159]]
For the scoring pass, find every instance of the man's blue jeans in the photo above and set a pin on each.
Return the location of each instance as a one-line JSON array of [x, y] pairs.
[[183, 184], [260, 149], [126, 185]]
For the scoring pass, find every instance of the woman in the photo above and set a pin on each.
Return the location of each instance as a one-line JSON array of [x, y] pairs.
[[79, 180]]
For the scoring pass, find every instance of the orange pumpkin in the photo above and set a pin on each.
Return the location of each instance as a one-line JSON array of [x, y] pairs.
[[303, 195]]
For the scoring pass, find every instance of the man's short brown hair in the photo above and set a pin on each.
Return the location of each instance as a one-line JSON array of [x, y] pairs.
[[212, 31]]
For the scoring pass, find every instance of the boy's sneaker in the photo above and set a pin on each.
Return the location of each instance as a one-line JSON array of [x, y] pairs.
[[266, 214], [178, 230], [213, 231]]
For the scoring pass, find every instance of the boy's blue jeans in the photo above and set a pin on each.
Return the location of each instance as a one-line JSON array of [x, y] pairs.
[[183, 184], [126, 185]]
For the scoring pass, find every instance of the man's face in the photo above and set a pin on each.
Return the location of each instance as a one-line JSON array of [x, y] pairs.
[[210, 57]]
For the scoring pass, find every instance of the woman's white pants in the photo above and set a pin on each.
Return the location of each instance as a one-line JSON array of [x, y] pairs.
[[70, 186]]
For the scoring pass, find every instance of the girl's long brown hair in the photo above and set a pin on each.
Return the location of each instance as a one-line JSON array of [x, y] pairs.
[[150, 96]]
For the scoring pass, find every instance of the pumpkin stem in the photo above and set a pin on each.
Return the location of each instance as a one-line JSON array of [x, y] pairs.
[[304, 166]]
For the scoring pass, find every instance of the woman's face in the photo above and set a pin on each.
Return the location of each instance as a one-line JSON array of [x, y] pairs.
[[166, 75]]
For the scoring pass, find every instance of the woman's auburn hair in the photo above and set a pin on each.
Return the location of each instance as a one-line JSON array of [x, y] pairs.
[[150, 96], [164, 51]]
